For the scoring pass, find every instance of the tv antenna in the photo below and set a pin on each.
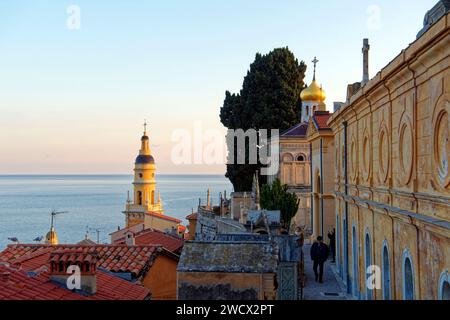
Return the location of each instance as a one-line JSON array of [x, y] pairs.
[[54, 213], [96, 230]]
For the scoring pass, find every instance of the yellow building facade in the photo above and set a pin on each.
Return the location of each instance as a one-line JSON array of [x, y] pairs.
[[392, 175], [321, 139]]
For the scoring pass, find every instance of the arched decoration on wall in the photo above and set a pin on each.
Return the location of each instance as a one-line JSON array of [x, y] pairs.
[[406, 149], [441, 143], [386, 271], [139, 197], [408, 276], [301, 157], [366, 155], [383, 153], [316, 186], [444, 286], [287, 157], [353, 158], [368, 262]]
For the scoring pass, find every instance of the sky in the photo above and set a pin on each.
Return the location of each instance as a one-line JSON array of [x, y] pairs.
[[73, 100]]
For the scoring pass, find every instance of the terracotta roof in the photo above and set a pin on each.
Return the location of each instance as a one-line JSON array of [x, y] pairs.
[[116, 258], [155, 237], [21, 285], [299, 130], [192, 216], [73, 256], [320, 119], [86, 242], [164, 217]]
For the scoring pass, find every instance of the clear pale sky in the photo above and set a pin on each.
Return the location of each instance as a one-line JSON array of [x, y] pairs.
[[73, 101]]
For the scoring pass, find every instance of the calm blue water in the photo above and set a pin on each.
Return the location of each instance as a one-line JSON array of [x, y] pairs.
[[93, 201]]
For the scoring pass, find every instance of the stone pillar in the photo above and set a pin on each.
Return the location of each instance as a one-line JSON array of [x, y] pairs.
[[365, 51]]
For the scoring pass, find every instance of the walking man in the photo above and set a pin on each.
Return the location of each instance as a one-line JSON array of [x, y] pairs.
[[319, 254], [332, 237]]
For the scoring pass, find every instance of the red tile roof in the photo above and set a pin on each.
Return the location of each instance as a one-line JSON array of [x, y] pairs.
[[20, 285], [320, 119], [155, 237], [116, 258], [164, 217], [192, 216], [299, 130]]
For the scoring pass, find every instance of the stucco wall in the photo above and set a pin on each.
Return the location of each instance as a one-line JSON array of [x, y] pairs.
[[162, 279]]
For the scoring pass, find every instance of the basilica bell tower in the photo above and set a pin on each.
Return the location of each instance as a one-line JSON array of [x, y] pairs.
[[145, 199]]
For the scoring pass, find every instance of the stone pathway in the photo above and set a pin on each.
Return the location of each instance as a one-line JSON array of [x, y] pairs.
[[330, 289]]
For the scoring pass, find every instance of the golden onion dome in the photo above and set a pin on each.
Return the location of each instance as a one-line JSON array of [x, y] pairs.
[[51, 237], [313, 93]]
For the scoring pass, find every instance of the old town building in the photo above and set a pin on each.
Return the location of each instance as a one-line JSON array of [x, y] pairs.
[[392, 174], [321, 139], [227, 270], [141, 264], [295, 154], [42, 275], [146, 205]]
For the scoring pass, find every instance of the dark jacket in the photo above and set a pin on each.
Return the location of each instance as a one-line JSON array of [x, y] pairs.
[[332, 237], [319, 251]]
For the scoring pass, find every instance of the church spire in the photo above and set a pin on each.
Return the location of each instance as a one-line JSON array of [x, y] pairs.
[[145, 142]]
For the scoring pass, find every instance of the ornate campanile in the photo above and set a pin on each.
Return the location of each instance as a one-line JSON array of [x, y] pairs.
[[145, 198]]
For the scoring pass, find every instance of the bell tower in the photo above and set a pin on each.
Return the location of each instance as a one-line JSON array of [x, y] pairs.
[[145, 198]]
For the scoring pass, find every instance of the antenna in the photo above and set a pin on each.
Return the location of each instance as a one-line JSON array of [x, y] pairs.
[[96, 230], [54, 213]]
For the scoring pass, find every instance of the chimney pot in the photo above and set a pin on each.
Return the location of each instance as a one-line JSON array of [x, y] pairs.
[[129, 239]]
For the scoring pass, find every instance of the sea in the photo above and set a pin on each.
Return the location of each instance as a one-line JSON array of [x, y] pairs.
[[92, 205]]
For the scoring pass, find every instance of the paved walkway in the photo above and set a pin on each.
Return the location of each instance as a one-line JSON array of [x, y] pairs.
[[330, 289]]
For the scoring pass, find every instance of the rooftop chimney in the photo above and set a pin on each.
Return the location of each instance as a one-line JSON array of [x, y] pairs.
[[129, 238], [74, 270], [365, 51]]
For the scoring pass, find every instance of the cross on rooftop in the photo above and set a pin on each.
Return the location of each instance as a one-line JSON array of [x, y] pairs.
[[315, 62]]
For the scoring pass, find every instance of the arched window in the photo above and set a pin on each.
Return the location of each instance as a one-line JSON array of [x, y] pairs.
[[139, 196], [386, 273], [368, 261], [444, 286], [301, 158], [408, 277]]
